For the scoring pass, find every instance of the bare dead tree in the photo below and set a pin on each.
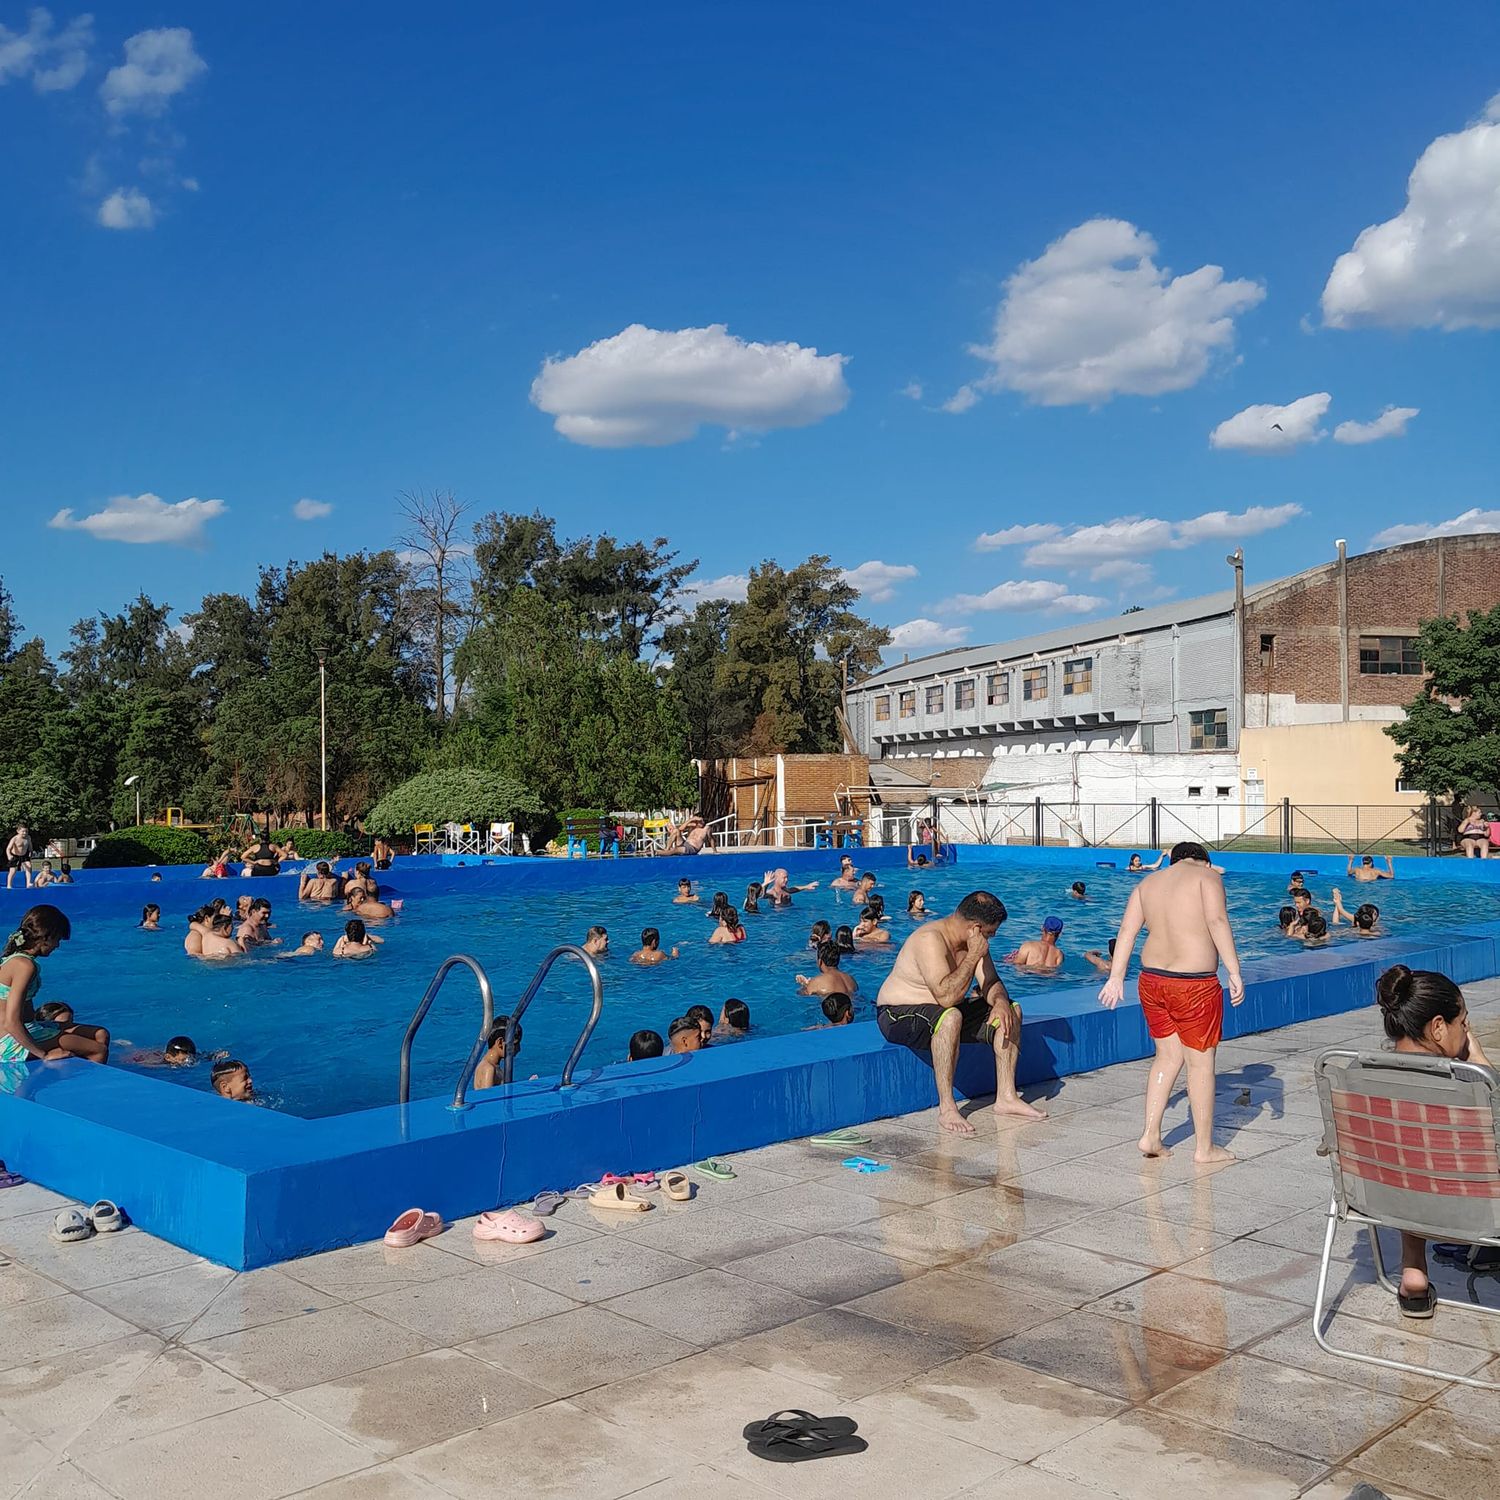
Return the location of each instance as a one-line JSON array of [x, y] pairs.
[[438, 563]]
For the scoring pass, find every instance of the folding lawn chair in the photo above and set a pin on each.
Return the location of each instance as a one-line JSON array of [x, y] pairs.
[[1413, 1144]]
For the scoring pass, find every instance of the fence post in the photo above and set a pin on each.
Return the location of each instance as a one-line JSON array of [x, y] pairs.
[[1286, 825], [1036, 832], [1432, 827], [1153, 827]]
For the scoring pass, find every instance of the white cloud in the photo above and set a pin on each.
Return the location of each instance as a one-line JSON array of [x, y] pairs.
[[145, 518], [311, 510], [877, 581], [962, 400], [1121, 570], [927, 634], [158, 65], [647, 387], [54, 60], [1138, 536], [1437, 263], [1469, 523], [1014, 536], [1273, 429], [127, 208], [1024, 594], [912, 390], [1094, 317], [1390, 423], [731, 586]]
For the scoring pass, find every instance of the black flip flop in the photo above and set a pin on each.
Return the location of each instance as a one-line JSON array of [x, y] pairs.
[[797, 1420], [1419, 1305], [798, 1444]]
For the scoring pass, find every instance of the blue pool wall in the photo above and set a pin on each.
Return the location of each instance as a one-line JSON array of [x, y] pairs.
[[247, 1187]]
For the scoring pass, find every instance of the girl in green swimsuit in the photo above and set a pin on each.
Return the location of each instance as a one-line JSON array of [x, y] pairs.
[[22, 1036]]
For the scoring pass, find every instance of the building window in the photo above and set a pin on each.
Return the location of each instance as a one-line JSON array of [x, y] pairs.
[[1078, 676], [1209, 729], [1268, 650], [1221, 791], [963, 693], [908, 704], [1406, 786], [882, 708], [997, 688], [1034, 683], [1195, 791], [1389, 656], [935, 699]]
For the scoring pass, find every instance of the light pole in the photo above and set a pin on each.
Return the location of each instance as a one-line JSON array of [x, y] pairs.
[[135, 781], [323, 741]]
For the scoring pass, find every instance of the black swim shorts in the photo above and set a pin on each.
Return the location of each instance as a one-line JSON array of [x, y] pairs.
[[913, 1025]]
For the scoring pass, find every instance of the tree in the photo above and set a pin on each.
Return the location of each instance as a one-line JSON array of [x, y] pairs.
[[718, 713], [1450, 737], [469, 794], [437, 564]]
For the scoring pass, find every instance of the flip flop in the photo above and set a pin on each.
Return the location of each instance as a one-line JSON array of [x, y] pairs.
[[411, 1227], [547, 1203], [717, 1171], [106, 1217], [582, 1193], [511, 1227], [801, 1439], [10, 1179], [795, 1417], [865, 1165], [617, 1198], [840, 1140], [677, 1187], [70, 1226]]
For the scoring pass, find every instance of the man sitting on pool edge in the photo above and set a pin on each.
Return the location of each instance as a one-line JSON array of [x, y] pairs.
[[925, 1004]]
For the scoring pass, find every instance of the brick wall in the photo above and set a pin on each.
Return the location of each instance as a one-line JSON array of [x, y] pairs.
[[1389, 593], [812, 782]]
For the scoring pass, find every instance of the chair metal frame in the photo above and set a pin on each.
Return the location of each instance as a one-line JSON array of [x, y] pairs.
[[1409, 1133]]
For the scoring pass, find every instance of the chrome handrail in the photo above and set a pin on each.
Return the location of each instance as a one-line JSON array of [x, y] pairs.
[[487, 1020], [566, 950]]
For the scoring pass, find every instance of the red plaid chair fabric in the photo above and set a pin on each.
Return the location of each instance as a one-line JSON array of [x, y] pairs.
[[1415, 1145]]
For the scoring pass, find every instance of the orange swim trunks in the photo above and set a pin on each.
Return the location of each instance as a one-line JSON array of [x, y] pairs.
[[1187, 1006]]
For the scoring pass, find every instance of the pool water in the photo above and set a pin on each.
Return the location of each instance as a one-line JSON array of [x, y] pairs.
[[322, 1036]]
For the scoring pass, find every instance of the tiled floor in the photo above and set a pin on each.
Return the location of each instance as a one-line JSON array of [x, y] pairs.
[[1035, 1312]]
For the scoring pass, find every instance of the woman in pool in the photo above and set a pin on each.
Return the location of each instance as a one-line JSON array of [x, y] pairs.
[[753, 892], [151, 917], [821, 933], [356, 942], [1138, 867], [1474, 834], [720, 905], [843, 939], [730, 928], [23, 1036], [869, 929], [916, 905]]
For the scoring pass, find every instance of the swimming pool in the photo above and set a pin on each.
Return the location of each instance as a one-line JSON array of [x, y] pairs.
[[321, 1037]]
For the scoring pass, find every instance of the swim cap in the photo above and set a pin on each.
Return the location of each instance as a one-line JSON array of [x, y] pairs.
[[1052, 924]]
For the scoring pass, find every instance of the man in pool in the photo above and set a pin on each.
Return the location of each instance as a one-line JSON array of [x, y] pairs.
[[1365, 870], [830, 979], [1078, 891], [846, 879], [366, 907], [1041, 953], [1363, 919], [774, 888], [596, 942], [650, 951], [862, 888], [1183, 909], [734, 1019], [319, 884], [684, 1035], [312, 942], [925, 1004]]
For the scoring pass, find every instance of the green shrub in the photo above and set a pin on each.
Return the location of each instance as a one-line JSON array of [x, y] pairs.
[[316, 843], [148, 845], [462, 795]]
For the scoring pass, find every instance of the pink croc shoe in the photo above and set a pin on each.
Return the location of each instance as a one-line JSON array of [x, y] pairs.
[[414, 1225], [512, 1227]]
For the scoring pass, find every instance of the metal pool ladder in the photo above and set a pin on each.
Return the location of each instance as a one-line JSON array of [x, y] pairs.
[[487, 1018]]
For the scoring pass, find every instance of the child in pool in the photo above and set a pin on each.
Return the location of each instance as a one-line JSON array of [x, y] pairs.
[[230, 1079], [869, 929], [491, 1068], [24, 1035], [355, 942], [151, 917]]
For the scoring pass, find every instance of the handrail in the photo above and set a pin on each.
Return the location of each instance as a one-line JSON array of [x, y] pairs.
[[565, 950], [487, 1020]]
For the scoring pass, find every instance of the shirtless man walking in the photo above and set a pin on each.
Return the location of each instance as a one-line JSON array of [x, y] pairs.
[[1182, 908], [925, 1004]]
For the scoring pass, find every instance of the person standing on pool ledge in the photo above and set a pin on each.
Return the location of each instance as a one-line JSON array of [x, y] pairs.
[[1181, 997], [925, 1004]]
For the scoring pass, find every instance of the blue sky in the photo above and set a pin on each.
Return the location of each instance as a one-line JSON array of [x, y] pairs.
[[270, 256]]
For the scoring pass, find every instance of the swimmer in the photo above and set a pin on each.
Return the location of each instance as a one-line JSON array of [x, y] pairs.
[[312, 942], [355, 942], [868, 929], [490, 1069], [753, 892], [704, 1018], [915, 861], [363, 878], [650, 952], [838, 1009], [820, 934], [916, 905], [1365, 870], [1040, 952], [596, 942], [1295, 883], [685, 895], [242, 907], [255, 930], [778, 892], [1138, 866], [1183, 910], [719, 906], [730, 928], [1364, 919], [876, 903], [734, 1019], [180, 1052], [862, 888], [846, 879], [1301, 904], [1287, 917], [644, 1044], [684, 1035], [24, 1035], [44, 876], [1314, 929], [843, 939], [230, 1079], [318, 884], [151, 917], [218, 940], [366, 907], [198, 928], [1100, 961], [1078, 891], [830, 979]]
